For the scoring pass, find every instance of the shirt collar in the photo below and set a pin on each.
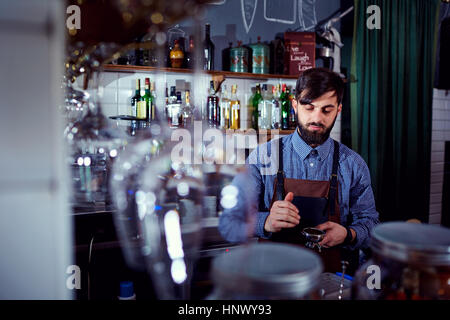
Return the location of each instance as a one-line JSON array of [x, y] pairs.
[[303, 149]]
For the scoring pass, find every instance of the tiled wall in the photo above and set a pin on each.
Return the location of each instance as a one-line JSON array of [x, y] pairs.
[[440, 134]]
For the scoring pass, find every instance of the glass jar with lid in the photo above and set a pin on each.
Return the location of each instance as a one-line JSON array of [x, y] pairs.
[[266, 271], [409, 262]]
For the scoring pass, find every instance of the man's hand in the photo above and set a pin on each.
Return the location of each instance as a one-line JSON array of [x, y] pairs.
[[335, 234], [283, 214]]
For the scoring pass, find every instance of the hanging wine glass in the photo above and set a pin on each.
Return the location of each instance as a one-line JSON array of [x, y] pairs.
[[93, 146]]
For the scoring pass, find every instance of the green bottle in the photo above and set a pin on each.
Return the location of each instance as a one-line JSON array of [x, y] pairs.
[[148, 101], [285, 108], [136, 102], [257, 98]]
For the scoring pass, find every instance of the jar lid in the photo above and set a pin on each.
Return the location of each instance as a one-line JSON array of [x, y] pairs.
[[280, 270], [412, 243]]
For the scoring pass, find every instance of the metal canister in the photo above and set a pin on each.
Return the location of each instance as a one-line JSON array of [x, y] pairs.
[[267, 271], [239, 59], [260, 57]]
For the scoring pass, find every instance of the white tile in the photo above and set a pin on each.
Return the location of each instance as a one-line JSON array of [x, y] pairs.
[[436, 188], [436, 199], [437, 156], [435, 208], [434, 219], [437, 135], [124, 96], [438, 104], [109, 95], [440, 125], [109, 109], [441, 94], [437, 177], [123, 109], [437, 167], [438, 146]]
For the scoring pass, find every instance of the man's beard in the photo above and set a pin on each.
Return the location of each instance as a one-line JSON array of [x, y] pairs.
[[314, 138]]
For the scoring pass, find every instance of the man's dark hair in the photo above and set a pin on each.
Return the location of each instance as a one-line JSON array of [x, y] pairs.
[[316, 82]]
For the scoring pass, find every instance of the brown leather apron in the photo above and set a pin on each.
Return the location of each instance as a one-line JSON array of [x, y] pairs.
[[317, 202]]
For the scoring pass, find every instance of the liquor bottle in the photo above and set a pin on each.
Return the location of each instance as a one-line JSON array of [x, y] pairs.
[[166, 109], [275, 124], [226, 57], [266, 109], [284, 101], [136, 99], [224, 108], [153, 101], [292, 118], [208, 47], [235, 109], [144, 107], [171, 101], [187, 111], [256, 114], [190, 54], [212, 106], [175, 109], [176, 56], [138, 53]]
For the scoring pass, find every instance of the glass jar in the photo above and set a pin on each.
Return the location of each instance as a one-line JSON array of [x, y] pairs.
[[266, 271], [409, 262]]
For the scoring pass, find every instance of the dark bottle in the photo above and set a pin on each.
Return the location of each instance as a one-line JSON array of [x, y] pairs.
[[292, 118], [136, 99], [285, 106], [208, 47], [212, 106], [138, 53], [255, 102], [226, 57], [190, 54]]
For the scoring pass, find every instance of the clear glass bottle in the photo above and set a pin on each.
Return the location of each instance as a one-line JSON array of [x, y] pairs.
[[187, 111], [285, 110], [212, 105], [224, 108], [276, 112], [266, 109], [235, 106]]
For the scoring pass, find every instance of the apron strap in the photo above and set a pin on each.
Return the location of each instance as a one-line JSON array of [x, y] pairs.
[[333, 182], [280, 173]]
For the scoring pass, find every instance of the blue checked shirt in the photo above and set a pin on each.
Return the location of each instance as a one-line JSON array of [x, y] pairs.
[[300, 161]]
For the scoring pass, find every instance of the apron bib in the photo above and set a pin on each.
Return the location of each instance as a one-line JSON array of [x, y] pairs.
[[317, 202]]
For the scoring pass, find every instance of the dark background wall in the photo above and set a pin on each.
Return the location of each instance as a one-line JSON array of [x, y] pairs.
[[227, 22]]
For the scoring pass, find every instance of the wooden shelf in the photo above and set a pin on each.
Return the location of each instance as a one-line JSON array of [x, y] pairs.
[[226, 74]]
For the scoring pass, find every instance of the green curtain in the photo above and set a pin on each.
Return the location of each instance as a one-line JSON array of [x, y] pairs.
[[391, 102]]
